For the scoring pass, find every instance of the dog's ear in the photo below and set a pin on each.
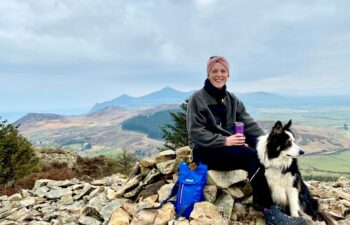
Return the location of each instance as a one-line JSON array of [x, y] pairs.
[[277, 128], [288, 125]]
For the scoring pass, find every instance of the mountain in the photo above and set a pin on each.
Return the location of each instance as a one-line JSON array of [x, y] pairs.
[[169, 95], [166, 95]]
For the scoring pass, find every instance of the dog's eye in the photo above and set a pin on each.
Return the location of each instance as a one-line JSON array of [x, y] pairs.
[[289, 143]]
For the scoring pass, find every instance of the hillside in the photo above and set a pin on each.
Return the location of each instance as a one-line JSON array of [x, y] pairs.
[[88, 134], [149, 124]]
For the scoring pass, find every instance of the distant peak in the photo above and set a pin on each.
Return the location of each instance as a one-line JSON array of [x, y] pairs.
[[167, 88]]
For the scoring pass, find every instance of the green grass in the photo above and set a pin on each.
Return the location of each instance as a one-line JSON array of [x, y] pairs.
[[106, 151], [333, 165], [321, 117]]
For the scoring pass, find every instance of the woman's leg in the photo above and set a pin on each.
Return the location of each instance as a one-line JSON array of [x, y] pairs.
[[237, 157]]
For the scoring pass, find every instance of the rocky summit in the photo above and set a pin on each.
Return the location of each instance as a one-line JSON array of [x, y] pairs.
[[121, 201]]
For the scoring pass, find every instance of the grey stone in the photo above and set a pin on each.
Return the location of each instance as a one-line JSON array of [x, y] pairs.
[[40, 183], [98, 201], [148, 162], [210, 192], [92, 212], [130, 184], [166, 167], [108, 209], [86, 220], [224, 203], [56, 193], [15, 197], [28, 201], [164, 192], [18, 215], [224, 179], [150, 176], [165, 156], [41, 191], [85, 191], [134, 192]]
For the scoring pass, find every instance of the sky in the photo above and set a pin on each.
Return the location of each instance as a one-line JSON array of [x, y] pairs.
[[63, 56]]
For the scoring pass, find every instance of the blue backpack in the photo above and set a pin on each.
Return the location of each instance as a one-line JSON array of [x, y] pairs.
[[188, 189]]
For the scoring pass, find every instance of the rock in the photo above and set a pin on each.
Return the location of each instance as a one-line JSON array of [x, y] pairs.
[[235, 192], [144, 171], [150, 176], [85, 191], [165, 214], [15, 197], [224, 204], [92, 212], [151, 199], [166, 167], [134, 192], [86, 220], [224, 179], [183, 154], [343, 195], [130, 208], [164, 192], [165, 156], [205, 213], [107, 210], [131, 183], [119, 217], [98, 201], [144, 217], [28, 201], [18, 215], [239, 210], [148, 162], [110, 193], [210, 192], [152, 189], [181, 221]]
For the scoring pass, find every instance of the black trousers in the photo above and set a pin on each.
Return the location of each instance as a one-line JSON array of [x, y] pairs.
[[238, 157]]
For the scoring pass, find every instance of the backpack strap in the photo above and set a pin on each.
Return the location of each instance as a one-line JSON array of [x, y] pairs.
[[172, 194]]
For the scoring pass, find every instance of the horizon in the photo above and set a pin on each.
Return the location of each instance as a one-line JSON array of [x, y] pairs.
[[63, 56], [14, 116]]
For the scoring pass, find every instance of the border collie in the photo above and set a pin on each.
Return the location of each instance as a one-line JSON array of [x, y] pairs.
[[278, 153]]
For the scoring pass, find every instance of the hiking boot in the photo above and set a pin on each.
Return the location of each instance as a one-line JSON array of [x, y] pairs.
[[274, 216]]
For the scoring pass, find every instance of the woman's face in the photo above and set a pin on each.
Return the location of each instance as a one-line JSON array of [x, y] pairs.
[[218, 75]]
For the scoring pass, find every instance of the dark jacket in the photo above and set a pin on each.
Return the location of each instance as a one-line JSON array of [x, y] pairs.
[[206, 129]]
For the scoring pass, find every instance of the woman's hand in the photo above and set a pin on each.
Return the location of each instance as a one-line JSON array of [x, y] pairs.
[[235, 140]]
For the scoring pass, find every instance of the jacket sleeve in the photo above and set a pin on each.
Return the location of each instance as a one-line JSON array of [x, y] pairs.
[[251, 127], [197, 121]]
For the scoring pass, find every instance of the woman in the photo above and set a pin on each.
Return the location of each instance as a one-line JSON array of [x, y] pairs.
[[211, 116]]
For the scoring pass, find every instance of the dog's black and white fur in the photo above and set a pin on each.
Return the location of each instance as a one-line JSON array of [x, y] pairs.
[[278, 153]]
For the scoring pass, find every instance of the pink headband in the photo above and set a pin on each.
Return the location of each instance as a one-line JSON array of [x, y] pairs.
[[215, 59]]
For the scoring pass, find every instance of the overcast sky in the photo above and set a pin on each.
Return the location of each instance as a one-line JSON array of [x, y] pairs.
[[64, 56]]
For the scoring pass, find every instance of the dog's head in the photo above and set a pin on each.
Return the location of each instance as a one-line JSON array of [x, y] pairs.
[[281, 142]]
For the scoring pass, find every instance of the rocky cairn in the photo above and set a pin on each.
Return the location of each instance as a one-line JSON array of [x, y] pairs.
[[116, 200]]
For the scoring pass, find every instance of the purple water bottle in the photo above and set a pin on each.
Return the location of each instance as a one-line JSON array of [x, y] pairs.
[[239, 128]]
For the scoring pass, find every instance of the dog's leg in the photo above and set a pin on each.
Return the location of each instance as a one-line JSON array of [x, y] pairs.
[[293, 198]]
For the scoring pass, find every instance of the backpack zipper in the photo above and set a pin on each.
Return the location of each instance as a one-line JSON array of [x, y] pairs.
[[182, 188]]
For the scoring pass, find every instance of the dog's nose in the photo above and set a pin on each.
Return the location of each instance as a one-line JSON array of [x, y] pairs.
[[301, 152]]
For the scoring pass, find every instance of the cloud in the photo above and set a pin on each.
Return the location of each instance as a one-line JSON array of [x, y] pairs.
[[96, 50]]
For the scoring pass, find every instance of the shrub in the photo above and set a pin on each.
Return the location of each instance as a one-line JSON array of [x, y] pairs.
[[125, 160], [175, 134], [17, 157]]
